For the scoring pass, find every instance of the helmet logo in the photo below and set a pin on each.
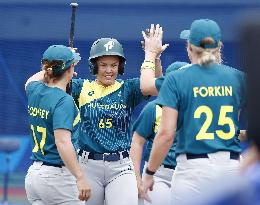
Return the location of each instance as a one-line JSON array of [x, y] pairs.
[[109, 45]]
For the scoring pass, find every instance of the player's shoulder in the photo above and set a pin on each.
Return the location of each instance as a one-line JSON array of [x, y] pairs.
[[78, 84], [233, 71], [129, 80], [228, 68], [65, 98], [151, 105], [80, 81], [35, 87], [185, 67], [130, 83], [182, 70], [149, 110], [33, 84]]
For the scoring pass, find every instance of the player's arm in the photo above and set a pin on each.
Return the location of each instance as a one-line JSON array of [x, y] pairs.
[[36, 77], [158, 67], [136, 156], [143, 128], [136, 153], [151, 69], [68, 155], [161, 145], [164, 138]]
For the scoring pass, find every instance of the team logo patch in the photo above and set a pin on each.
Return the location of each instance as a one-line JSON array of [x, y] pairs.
[[91, 93], [109, 45]]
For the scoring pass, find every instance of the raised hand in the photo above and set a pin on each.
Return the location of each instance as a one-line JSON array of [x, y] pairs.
[[153, 40]]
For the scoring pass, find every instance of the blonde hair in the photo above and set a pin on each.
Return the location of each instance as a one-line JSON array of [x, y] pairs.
[[207, 56]]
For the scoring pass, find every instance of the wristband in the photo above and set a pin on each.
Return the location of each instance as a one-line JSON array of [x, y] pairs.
[[149, 172], [148, 65], [146, 61]]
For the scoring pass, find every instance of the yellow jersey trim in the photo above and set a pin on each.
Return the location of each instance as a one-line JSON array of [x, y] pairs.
[[158, 116], [91, 91], [77, 120]]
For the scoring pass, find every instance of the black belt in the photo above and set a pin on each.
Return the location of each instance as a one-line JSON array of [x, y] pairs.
[[233, 155], [168, 166], [52, 165], [108, 157]]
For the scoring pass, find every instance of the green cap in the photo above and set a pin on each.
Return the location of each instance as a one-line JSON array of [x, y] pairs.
[[175, 66], [201, 29], [61, 53], [106, 47]]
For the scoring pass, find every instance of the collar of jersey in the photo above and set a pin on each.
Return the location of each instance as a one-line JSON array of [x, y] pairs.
[[91, 91], [104, 87]]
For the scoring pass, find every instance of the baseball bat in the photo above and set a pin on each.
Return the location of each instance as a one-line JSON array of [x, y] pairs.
[[72, 25], [71, 37]]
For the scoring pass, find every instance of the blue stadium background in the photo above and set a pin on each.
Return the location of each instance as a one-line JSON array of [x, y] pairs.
[[29, 27]]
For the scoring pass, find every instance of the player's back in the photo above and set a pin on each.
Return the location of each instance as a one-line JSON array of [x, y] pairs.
[[210, 99], [44, 110]]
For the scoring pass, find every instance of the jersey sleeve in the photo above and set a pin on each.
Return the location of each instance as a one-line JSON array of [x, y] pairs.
[[135, 94], [169, 94], [144, 125], [31, 86], [76, 88], [159, 82], [64, 114]]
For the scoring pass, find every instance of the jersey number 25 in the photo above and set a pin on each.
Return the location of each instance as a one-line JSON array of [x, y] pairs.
[[222, 120]]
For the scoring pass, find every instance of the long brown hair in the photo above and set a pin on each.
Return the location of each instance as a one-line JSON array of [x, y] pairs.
[[52, 71]]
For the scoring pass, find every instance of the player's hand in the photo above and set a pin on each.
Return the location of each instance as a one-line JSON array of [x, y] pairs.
[[84, 189], [147, 33], [139, 183], [141, 193], [153, 40], [148, 183]]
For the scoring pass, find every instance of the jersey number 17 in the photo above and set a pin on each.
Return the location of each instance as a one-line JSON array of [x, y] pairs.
[[43, 140]]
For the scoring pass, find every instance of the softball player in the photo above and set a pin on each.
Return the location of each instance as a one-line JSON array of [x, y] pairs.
[[145, 128], [202, 102], [53, 116], [106, 105]]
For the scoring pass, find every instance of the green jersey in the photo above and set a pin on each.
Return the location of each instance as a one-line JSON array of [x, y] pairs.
[[147, 125], [49, 109], [208, 101], [106, 113]]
